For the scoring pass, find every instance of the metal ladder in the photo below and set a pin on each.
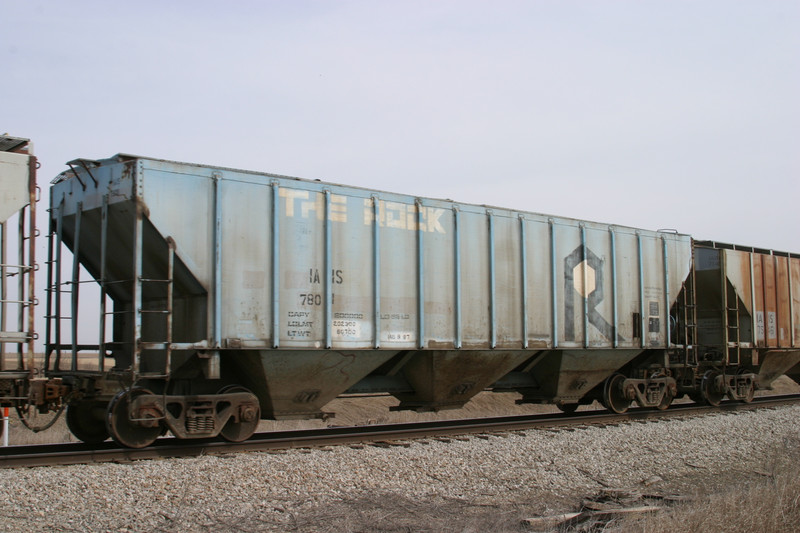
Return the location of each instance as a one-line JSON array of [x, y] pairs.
[[730, 316], [56, 288], [732, 336], [165, 345], [689, 319], [22, 299], [138, 284]]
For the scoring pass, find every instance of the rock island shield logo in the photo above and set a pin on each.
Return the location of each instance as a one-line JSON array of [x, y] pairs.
[[578, 269]]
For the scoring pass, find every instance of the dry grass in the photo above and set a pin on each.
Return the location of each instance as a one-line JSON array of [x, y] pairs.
[[768, 505]]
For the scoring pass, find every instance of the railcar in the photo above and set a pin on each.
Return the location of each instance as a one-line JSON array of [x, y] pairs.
[[18, 199], [222, 296]]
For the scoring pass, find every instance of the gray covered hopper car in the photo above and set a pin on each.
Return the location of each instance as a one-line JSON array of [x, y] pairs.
[[227, 296]]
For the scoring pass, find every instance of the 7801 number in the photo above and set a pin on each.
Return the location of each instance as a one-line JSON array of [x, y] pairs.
[[313, 299]]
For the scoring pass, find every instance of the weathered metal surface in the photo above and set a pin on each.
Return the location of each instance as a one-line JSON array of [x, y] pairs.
[[328, 288], [14, 170], [794, 373], [568, 375], [445, 379], [18, 197], [299, 383], [794, 289], [766, 286], [774, 363]]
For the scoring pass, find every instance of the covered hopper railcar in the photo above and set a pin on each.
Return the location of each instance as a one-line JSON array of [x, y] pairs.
[[228, 296]]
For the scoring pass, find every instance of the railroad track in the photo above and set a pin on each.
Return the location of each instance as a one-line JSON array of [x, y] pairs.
[[81, 453]]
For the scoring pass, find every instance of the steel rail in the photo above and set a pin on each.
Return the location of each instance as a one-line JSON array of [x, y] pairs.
[[81, 453]]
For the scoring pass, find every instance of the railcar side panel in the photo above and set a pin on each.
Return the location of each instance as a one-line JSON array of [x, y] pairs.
[[783, 301], [425, 273], [398, 264], [794, 285]]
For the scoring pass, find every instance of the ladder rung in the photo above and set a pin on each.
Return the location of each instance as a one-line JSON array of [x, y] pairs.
[[14, 336], [20, 302]]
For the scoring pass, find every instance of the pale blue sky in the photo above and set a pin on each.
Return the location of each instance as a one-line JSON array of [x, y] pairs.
[[657, 114]]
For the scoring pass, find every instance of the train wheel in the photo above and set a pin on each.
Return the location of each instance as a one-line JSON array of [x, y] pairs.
[[122, 429], [613, 396], [567, 408], [697, 397], [249, 417], [85, 421], [709, 388]]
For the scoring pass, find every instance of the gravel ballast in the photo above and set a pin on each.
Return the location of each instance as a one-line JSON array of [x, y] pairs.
[[536, 471]]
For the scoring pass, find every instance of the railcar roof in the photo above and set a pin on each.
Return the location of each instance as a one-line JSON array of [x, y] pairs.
[[742, 248], [10, 144]]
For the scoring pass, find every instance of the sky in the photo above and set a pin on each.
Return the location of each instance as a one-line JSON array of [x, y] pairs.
[[653, 114]]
